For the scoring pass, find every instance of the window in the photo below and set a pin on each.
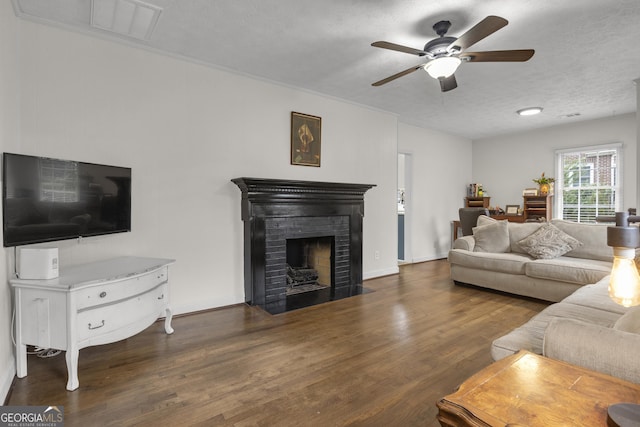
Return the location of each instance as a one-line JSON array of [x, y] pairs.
[[588, 183], [580, 175]]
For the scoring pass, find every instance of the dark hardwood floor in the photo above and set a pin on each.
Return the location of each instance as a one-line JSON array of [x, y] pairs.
[[378, 359]]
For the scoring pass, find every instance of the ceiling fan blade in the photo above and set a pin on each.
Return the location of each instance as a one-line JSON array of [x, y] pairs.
[[448, 83], [482, 29], [397, 75], [399, 48], [519, 55]]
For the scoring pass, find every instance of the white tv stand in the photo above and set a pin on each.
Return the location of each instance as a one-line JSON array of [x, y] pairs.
[[90, 304]]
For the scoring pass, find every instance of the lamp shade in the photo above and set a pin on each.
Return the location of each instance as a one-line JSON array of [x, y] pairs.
[[442, 67]]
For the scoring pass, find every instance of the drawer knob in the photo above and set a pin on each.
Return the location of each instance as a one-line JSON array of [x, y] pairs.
[[96, 327], [103, 294]]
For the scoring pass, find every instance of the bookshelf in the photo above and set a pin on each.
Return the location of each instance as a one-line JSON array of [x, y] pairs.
[[477, 202], [536, 207]]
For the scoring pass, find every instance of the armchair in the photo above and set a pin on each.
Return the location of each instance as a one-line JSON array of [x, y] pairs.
[[469, 218]]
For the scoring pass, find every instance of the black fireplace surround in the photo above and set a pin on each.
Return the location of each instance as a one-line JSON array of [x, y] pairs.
[[275, 210]]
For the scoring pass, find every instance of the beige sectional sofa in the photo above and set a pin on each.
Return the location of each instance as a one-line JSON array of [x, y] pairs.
[[584, 327], [508, 266], [587, 329]]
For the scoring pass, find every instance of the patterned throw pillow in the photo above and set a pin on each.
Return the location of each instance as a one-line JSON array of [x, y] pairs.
[[548, 242]]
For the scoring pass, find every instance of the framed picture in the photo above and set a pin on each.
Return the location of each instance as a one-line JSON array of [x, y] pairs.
[[305, 139], [512, 209]]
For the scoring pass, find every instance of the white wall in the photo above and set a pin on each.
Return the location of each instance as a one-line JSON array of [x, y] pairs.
[[9, 134], [440, 173], [186, 130], [505, 165]]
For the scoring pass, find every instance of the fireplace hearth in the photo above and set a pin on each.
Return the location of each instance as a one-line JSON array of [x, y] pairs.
[[312, 227]]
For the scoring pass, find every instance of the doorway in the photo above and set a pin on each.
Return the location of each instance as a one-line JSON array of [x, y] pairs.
[[404, 207]]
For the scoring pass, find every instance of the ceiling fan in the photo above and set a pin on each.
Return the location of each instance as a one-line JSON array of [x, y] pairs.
[[446, 53]]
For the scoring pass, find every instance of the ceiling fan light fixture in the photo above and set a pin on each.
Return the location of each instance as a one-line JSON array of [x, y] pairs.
[[530, 111], [443, 67]]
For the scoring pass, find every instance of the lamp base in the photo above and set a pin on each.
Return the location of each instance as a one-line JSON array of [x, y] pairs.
[[623, 415]]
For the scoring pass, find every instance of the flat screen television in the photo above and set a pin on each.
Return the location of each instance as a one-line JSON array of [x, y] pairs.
[[45, 199]]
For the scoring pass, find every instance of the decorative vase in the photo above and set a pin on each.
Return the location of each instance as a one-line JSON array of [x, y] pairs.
[[545, 189]]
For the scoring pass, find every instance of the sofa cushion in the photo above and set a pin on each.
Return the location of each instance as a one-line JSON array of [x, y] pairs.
[[493, 237], [505, 263], [592, 236], [594, 347], [596, 296], [629, 322], [530, 336], [548, 242], [571, 270]]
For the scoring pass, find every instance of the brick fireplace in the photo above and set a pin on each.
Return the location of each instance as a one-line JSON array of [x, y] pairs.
[[278, 213]]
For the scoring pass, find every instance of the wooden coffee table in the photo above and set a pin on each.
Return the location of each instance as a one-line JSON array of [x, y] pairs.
[[530, 390]]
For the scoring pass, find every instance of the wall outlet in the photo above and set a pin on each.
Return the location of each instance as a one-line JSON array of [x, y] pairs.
[[376, 255]]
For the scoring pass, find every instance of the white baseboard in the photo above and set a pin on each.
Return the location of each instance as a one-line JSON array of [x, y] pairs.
[[203, 305], [429, 258], [7, 379], [380, 273]]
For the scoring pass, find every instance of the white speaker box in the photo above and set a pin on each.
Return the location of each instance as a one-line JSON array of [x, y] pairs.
[[38, 263]]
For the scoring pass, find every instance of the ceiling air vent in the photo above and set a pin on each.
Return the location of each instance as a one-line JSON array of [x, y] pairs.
[[131, 18], [570, 115]]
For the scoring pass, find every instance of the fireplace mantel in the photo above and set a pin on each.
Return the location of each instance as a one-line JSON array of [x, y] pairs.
[[273, 209], [273, 197]]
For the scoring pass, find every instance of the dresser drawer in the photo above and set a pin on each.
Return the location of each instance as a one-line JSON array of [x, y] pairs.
[[120, 320], [115, 291]]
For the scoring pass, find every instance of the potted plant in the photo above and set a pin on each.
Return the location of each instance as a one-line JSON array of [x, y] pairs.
[[545, 184]]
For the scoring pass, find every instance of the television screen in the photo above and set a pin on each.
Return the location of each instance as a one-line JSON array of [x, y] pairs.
[[46, 199]]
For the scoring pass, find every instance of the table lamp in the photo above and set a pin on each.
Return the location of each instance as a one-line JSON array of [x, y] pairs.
[[624, 289], [624, 285]]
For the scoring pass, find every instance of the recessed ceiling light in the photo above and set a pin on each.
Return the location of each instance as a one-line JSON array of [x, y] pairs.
[[531, 111]]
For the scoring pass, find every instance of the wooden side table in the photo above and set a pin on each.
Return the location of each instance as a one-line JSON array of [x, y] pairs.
[[531, 390], [455, 228]]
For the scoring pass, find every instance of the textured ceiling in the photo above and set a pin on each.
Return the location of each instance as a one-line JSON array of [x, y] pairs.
[[587, 53]]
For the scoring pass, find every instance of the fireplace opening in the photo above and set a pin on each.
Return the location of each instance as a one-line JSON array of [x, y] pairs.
[[310, 271]]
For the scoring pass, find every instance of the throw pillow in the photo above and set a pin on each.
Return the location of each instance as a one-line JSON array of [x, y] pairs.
[[629, 322], [485, 220], [493, 237], [548, 242]]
